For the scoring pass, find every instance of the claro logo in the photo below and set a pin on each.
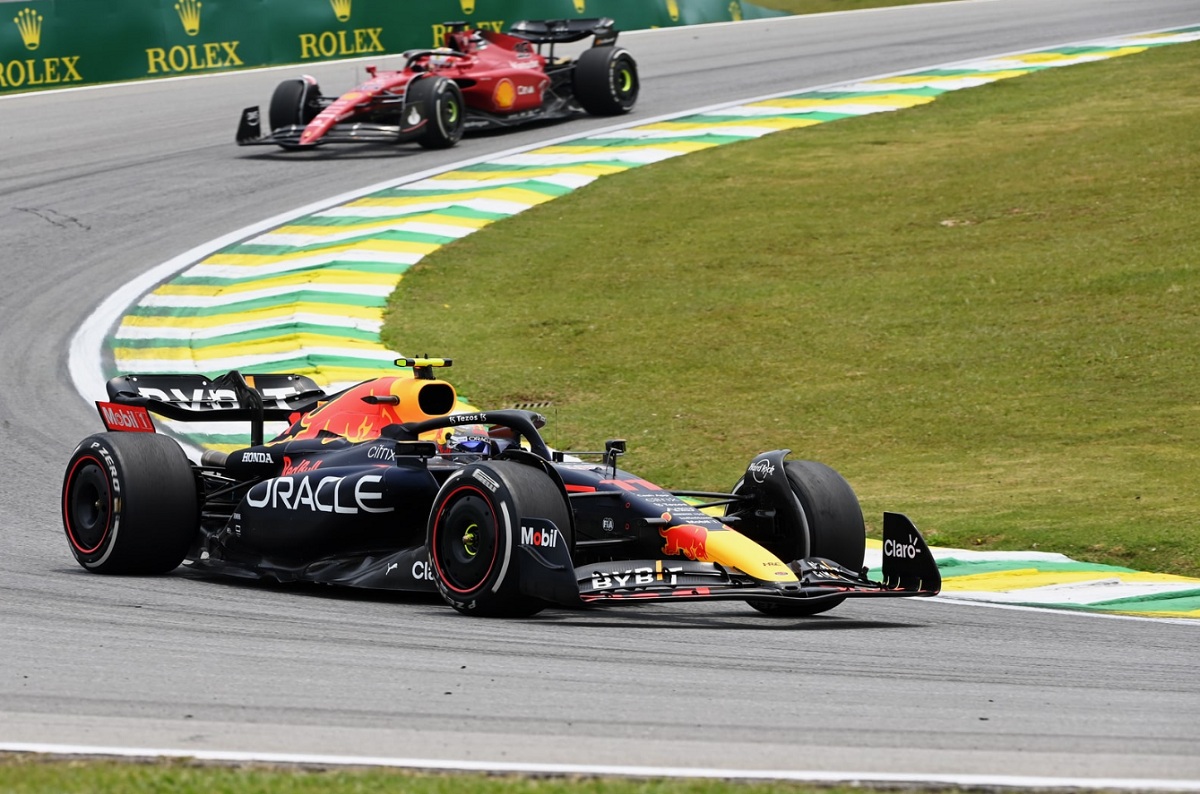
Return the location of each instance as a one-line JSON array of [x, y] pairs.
[[184, 58], [31, 72], [900, 549]]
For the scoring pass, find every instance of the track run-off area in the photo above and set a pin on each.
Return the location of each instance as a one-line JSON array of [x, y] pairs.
[[920, 691]]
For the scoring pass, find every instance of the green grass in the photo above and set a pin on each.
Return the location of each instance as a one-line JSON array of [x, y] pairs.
[[984, 312], [31, 775], [823, 6]]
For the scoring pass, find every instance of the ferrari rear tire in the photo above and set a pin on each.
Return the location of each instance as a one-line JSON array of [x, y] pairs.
[[294, 102], [474, 532], [130, 504], [606, 81], [441, 102], [836, 530]]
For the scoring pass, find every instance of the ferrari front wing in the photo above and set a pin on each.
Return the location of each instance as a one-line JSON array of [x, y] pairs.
[[250, 132]]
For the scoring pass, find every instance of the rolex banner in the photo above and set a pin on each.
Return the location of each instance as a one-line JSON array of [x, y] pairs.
[[64, 43]]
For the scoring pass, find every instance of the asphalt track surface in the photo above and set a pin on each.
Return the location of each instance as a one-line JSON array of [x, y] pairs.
[[98, 186]]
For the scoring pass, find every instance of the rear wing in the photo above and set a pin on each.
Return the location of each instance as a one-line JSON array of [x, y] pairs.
[[565, 31], [230, 397]]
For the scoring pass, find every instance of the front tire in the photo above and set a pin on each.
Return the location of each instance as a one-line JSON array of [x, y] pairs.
[[836, 530], [606, 81], [474, 532], [441, 103], [130, 504], [294, 103]]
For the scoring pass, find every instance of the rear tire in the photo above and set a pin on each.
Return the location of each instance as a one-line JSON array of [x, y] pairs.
[[474, 534], [836, 530], [130, 504], [606, 81], [441, 102], [295, 102]]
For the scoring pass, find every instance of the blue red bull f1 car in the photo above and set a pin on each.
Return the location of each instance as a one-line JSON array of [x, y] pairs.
[[394, 484]]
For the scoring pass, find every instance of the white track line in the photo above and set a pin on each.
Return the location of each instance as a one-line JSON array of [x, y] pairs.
[[572, 770]]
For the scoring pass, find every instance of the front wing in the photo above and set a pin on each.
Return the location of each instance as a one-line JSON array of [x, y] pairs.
[[250, 133], [908, 570]]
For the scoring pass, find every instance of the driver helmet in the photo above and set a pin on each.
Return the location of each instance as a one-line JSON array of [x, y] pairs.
[[466, 443], [441, 57]]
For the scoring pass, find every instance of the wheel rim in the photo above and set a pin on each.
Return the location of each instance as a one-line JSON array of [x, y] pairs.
[[625, 78], [88, 507], [450, 113], [464, 542]]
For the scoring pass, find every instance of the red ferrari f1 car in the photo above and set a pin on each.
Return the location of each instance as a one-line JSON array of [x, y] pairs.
[[478, 80], [391, 485]]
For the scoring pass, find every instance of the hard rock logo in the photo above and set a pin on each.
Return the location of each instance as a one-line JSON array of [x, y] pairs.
[[468, 6], [189, 15], [341, 9], [29, 22]]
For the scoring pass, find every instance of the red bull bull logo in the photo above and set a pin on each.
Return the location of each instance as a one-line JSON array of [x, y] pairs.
[[687, 539]]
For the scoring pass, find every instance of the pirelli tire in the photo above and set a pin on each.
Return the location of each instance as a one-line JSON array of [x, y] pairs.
[[294, 102], [130, 504], [606, 81], [835, 530], [475, 531], [441, 103]]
